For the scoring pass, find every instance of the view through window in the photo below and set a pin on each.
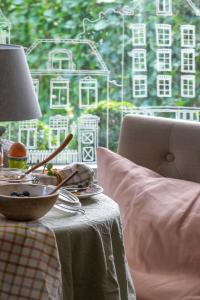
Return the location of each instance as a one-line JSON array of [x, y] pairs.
[[93, 62]]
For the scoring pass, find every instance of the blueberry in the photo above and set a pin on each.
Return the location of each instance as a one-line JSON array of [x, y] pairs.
[[26, 193], [14, 194]]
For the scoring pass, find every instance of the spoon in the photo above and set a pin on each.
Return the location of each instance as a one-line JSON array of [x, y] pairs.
[[51, 156], [63, 182]]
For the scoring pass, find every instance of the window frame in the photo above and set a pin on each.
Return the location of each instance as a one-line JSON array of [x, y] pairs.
[[185, 61], [53, 59], [140, 78], [163, 27], [158, 64], [88, 89], [58, 106], [139, 40], [164, 11], [193, 80], [29, 128], [164, 78], [189, 28], [144, 62], [36, 86]]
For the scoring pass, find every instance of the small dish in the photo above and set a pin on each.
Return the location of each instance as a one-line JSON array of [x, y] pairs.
[[68, 202], [91, 190]]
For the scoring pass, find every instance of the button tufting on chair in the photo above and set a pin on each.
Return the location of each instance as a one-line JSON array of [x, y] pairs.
[[170, 157]]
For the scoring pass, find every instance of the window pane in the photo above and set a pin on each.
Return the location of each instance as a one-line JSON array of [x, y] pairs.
[[92, 64]]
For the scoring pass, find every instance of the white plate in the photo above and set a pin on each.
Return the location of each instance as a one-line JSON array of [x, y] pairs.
[[92, 190]]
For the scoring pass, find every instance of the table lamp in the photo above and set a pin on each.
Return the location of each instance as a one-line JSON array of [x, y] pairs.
[[18, 100]]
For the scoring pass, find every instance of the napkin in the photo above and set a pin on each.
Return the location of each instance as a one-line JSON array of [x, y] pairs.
[[84, 176]]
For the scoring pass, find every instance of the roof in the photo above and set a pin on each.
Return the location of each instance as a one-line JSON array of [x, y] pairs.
[[85, 55], [195, 8], [3, 19]]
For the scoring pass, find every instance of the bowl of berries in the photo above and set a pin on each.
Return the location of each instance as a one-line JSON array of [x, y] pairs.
[[26, 202]]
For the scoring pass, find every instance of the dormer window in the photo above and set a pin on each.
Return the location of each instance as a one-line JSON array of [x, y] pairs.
[[164, 7], [61, 59]]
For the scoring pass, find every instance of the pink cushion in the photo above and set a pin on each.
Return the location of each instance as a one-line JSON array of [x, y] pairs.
[[161, 225]]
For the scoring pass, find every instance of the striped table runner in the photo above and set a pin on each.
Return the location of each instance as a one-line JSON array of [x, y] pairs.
[[29, 262]]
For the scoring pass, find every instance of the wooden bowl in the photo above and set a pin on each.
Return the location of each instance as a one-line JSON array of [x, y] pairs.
[[26, 208]]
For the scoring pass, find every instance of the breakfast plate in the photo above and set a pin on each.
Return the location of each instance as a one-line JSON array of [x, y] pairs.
[[82, 193]]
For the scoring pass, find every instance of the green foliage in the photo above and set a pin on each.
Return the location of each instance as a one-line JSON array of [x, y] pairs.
[[114, 121], [43, 136], [50, 169], [32, 20]]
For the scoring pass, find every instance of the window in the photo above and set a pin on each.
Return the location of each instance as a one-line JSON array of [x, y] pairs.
[[118, 58], [164, 60], [164, 7], [187, 60], [88, 92], [61, 59], [188, 36], [164, 86], [188, 86], [36, 86], [28, 133], [58, 130], [139, 86], [139, 34], [139, 60], [3, 36], [59, 97], [163, 35]]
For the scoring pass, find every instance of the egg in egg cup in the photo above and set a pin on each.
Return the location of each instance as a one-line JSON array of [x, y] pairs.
[[17, 156]]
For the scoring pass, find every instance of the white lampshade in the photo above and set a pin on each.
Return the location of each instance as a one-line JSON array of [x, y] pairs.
[[18, 100]]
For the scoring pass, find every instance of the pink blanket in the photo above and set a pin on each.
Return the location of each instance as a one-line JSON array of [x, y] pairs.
[[161, 223]]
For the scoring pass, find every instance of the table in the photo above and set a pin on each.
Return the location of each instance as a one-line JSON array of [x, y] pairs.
[[91, 251]]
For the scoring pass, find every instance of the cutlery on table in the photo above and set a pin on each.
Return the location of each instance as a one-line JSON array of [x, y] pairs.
[[64, 207]]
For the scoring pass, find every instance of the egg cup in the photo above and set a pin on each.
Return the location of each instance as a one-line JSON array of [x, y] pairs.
[[17, 162]]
